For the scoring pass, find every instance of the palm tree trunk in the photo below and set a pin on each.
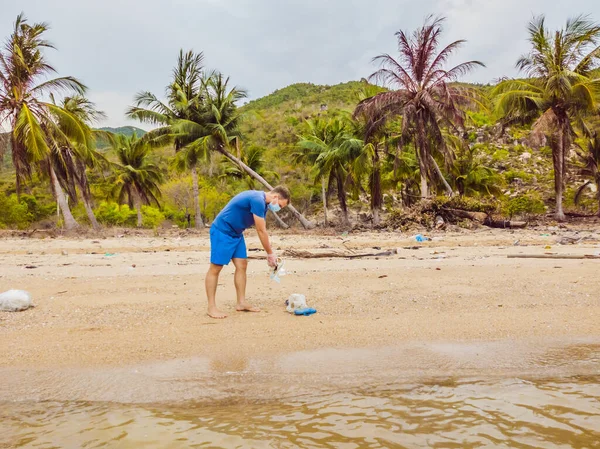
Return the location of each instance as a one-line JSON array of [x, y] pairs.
[[280, 222], [558, 161], [306, 223], [70, 222], [376, 194], [90, 212], [324, 197], [420, 147], [199, 223], [597, 180], [18, 187], [449, 190], [137, 199], [424, 186], [86, 197], [342, 198], [15, 161]]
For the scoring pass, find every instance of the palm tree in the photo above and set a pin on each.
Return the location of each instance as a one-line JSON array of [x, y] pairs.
[[34, 123], [137, 177], [188, 158], [468, 174], [590, 164], [211, 118], [331, 146], [185, 106], [72, 158], [423, 93], [560, 88]]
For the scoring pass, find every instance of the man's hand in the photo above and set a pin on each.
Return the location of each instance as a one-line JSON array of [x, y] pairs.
[[272, 260]]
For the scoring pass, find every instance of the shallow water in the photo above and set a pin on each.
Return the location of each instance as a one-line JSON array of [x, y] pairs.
[[512, 413], [446, 395]]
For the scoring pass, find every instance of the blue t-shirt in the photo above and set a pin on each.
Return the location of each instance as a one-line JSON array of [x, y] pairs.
[[239, 213]]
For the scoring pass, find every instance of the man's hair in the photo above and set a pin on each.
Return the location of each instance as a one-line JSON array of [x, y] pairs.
[[283, 192]]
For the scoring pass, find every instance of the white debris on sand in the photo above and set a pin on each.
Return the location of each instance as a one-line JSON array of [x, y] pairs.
[[15, 301]]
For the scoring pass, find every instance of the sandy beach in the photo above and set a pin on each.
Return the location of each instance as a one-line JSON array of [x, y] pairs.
[[121, 300]]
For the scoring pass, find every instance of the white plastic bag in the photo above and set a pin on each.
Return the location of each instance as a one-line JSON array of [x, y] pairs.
[[296, 301], [15, 301], [278, 271]]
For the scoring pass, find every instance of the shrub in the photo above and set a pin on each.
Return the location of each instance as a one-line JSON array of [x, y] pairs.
[[37, 207], [113, 214], [511, 175], [528, 204], [151, 217], [500, 155], [14, 214]]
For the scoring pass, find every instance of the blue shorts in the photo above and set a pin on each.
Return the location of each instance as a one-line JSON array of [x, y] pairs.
[[224, 247]]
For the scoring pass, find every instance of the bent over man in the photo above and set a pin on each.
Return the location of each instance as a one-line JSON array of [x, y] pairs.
[[227, 241]]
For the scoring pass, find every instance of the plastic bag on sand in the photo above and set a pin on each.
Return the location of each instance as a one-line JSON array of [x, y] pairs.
[[15, 301], [296, 301], [278, 271]]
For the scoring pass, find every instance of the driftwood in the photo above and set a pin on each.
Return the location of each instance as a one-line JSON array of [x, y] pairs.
[[485, 219], [280, 222], [551, 256], [299, 254]]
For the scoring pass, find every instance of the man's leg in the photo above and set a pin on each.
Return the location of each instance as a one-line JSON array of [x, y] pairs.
[[239, 280], [211, 281]]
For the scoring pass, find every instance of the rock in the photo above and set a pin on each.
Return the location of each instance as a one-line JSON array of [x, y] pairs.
[[15, 301], [525, 156], [64, 252]]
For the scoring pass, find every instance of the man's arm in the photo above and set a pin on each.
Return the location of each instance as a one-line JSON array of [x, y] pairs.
[[261, 229]]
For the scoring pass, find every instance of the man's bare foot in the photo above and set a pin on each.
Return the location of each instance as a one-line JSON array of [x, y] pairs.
[[216, 313], [245, 307]]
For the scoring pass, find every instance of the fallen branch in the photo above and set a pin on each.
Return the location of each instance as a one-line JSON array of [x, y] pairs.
[[486, 220], [552, 256], [299, 254]]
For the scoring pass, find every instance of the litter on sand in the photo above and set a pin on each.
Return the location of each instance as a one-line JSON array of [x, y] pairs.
[[295, 301], [15, 301], [305, 312], [278, 271], [296, 304]]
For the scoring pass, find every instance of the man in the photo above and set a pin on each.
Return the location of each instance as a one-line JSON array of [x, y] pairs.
[[227, 241]]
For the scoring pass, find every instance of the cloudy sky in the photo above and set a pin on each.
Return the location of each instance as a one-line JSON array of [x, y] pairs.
[[119, 47]]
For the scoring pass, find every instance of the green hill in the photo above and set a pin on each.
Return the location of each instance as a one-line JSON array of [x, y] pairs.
[[125, 130], [274, 122]]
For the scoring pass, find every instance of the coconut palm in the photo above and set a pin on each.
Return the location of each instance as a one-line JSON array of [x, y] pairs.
[[559, 90], [35, 124], [309, 152], [331, 146], [185, 106], [423, 92], [468, 173], [22, 69], [71, 158], [375, 137], [137, 177], [189, 157]]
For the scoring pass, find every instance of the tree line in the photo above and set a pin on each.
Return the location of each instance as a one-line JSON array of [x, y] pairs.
[[406, 133]]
